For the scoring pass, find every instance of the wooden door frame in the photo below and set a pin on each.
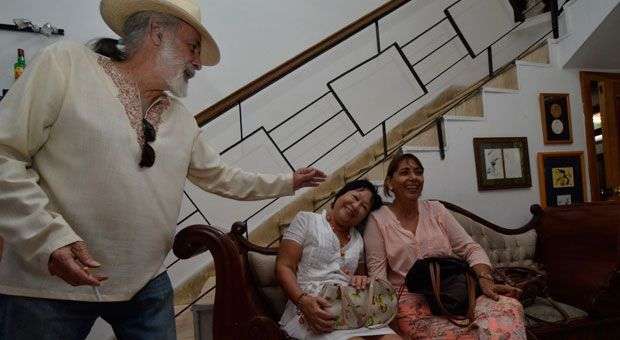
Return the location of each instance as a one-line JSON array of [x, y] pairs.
[[585, 78]]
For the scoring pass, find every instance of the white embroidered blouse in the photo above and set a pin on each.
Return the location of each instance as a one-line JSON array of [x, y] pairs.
[[321, 261]]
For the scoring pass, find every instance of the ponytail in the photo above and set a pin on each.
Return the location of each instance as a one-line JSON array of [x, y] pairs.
[[110, 48]]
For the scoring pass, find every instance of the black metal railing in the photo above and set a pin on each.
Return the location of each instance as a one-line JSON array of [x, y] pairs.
[[387, 151]]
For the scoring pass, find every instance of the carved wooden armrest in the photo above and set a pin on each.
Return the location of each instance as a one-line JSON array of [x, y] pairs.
[[238, 313], [194, 240]]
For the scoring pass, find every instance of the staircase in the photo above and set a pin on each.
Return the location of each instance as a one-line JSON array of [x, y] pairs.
[[433, 130], [458, 106]]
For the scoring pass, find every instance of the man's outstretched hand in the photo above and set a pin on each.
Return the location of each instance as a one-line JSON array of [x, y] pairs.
[[72, 262], [307, 177]]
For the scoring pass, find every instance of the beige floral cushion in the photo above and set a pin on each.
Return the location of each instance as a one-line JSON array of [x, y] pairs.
[[263, 268]]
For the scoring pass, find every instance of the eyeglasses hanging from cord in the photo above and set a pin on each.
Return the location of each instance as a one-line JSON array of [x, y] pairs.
[[25, 25]]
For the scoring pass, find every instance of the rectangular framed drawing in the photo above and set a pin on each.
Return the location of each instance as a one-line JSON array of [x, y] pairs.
[[502, 163], [555, 118], [561, 178]]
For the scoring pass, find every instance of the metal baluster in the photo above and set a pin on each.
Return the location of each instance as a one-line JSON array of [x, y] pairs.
[[442, 148], [490, 55], [385, 143], [240, 122], [378, 38], [554, 19]]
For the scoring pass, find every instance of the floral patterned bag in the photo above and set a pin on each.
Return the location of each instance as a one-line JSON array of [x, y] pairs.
[[373, 307]]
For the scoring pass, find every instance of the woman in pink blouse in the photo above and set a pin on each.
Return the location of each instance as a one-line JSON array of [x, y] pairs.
[[411, 229]]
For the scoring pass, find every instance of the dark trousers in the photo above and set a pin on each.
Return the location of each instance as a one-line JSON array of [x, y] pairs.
[[149, 315]]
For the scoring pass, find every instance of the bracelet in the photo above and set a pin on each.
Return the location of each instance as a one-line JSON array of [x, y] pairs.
[[299, 298]]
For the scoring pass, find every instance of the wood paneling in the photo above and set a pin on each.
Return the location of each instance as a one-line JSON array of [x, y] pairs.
[[610, 115]]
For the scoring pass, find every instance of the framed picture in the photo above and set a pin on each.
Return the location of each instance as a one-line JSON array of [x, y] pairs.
[[561, 178], [502, 163], [555, 118]]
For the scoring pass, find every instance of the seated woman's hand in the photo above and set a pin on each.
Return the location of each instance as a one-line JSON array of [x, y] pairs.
[[492, 290], [359, 281], [507, 290], [314, 314]]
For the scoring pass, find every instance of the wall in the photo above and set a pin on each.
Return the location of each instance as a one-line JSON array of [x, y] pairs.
[[581, 20], [507, 113], [254, 36], [257, 36]]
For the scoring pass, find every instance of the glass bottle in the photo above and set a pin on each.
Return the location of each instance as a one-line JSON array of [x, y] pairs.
[[20, 64]]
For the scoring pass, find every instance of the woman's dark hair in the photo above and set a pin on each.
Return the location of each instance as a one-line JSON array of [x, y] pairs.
[[394, 164], [375, 199]]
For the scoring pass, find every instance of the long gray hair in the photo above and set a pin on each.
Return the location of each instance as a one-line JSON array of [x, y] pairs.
[[134, 30]]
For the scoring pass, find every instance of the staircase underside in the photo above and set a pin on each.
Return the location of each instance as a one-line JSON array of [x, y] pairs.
[[417, 131]]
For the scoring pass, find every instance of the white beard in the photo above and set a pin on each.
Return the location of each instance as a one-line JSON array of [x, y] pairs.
[[170, 62], [178, 85]]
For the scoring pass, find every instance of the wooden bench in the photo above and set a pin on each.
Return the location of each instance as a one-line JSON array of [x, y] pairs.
[[578, 246]]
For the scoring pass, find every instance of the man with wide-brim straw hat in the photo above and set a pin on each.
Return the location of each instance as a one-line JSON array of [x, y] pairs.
[[94, 156], [116, 12]]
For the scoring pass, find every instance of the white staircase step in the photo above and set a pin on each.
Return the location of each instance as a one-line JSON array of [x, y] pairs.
[[507, 79], [534, 21], [472, 107], [532, 64], [491, 89], [414, 148], [464, 118]]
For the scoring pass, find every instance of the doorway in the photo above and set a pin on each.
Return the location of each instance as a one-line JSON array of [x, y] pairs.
[[601, 99]]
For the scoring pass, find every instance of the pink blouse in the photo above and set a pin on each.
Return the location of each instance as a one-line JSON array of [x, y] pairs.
[[391, 250]]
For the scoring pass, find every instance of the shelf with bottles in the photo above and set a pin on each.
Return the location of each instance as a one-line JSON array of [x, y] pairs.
[[23, 25]]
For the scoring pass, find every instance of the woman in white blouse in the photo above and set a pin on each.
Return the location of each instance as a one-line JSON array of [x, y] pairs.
[[317, 249]]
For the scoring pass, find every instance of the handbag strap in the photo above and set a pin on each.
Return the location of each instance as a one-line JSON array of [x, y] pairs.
[[371, 294], [369, 298], [471, 293]]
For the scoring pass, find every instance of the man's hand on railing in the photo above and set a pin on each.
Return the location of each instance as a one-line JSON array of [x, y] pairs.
[[307, 177], [72, 264]]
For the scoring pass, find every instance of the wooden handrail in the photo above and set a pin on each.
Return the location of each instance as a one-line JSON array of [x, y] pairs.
[[296, 62]]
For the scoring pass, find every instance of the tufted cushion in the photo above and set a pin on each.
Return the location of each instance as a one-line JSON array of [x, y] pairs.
[[503, 250], [264, 269]]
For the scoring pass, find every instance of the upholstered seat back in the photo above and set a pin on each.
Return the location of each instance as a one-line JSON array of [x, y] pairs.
[[263, 268], [503, 250]]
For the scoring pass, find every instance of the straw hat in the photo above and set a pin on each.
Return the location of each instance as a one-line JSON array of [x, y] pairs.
[[115, 12]]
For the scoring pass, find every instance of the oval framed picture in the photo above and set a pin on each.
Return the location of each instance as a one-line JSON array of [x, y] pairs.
[[555, 118]]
